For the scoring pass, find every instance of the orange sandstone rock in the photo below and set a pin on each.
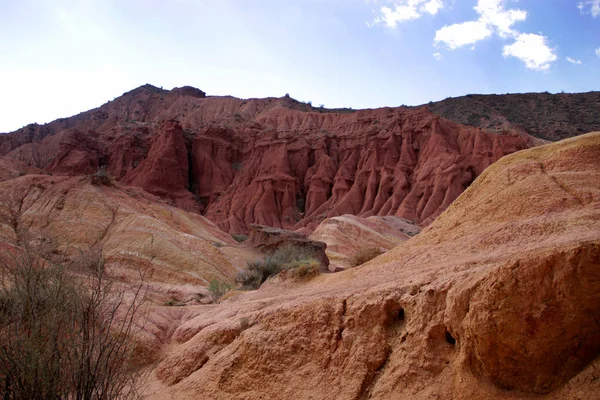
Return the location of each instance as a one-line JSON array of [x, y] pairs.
[[496, 299]]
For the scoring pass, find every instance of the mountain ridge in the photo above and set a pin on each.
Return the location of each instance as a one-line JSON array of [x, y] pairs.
[[275, 162]]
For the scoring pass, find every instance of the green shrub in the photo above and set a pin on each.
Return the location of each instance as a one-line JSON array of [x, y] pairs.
[[239, 238], [218, 289], [364, 255]]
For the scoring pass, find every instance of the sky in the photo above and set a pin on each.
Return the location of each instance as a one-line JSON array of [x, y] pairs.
[[62, 57]]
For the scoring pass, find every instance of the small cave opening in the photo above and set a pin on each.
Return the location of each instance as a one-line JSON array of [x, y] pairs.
[[450, 339], [400, 315]]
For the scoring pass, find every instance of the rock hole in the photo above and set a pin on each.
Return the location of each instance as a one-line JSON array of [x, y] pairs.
[[450, 339], [400, 316]]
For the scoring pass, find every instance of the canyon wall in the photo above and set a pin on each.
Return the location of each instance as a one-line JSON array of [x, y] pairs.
[[274, 162]]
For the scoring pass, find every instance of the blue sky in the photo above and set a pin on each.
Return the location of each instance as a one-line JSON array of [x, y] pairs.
[[60, 57]]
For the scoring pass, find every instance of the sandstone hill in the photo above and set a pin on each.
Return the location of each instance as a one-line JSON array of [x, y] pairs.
[[543, 115], [497, 299], [348, 236], [180, 252], [274, 162]]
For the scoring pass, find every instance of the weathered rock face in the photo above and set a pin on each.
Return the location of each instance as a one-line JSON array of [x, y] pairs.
[[268, 240], [182, 251], [498, 298], [348, 234], [413, 165], [164, 171], [274, 162], [11, 168]]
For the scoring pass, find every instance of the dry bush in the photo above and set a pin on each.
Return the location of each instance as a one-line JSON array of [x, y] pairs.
[[102, 177], [304, 268], [66, 335], [299, 261], [364, 255]]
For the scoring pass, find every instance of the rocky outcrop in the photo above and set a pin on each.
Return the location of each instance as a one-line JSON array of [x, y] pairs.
[[178, 252], [268, 240], [381, 162], [495, 299], [274, 162], [347, 235], [164, 172]]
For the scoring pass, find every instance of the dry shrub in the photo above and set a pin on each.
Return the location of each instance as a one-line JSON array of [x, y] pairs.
[[364, 255], [102, 177], [66, 336], [304, 268], [299, 261]]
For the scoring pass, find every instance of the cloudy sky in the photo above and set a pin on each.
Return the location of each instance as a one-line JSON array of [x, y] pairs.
[[60, 57]]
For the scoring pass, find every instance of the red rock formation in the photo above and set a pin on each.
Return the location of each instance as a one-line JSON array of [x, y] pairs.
[[382, 162], [498, 298], [275, 162], [269, 240], [164, 171]]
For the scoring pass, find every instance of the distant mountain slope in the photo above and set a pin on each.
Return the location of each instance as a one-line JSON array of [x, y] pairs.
[[275, 161], [543, 115]]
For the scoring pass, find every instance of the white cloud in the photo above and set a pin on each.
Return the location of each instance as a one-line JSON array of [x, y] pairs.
[[432, 7], [573, 61], [598, 51], [401, 13], [493, 17], [406, 10], [593, 5], [458, 35], [438, 56], [533, 50], [492, 12]]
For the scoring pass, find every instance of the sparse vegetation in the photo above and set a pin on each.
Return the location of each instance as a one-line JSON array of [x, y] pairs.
[[239, 237], [218, 289], [244, 323], [364, 255], [174, 303], [102, 177], [237, 166], [301, 204], [299, 262], [548, 116], [65, 336]]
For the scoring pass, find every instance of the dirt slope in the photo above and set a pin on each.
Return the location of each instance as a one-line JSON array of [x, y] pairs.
[[274, 162], [498, 298], [543, 115], [347, 235], [185, 251]]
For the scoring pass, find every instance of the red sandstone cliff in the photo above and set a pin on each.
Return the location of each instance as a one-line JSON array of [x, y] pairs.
[[275, 162]]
